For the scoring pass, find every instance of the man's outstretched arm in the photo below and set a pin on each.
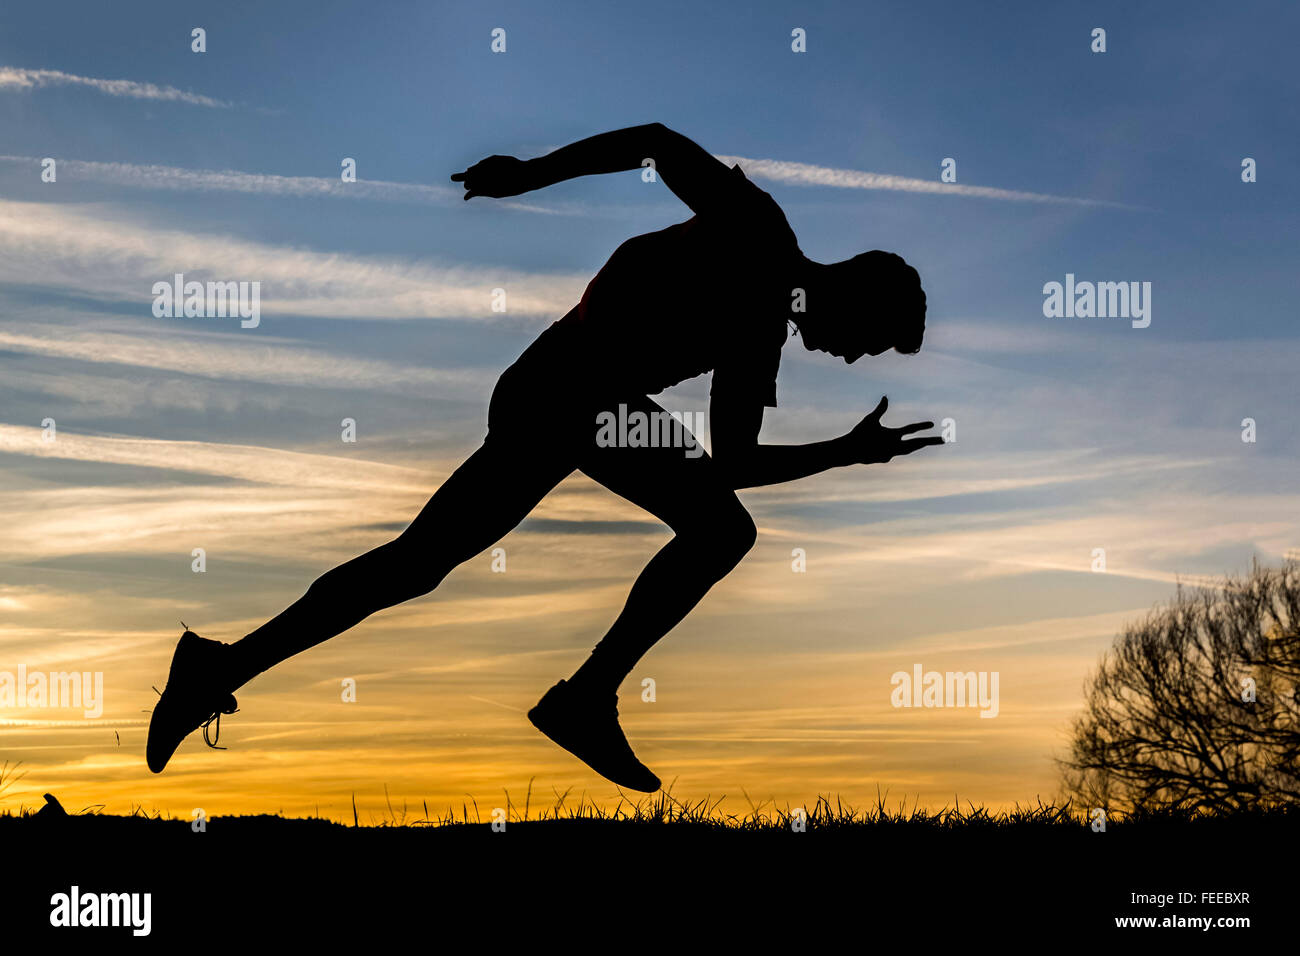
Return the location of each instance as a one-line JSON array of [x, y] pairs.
[[748, 464], [686, 167]]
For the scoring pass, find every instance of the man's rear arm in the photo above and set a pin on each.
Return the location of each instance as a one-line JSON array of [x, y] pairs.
[[734, 426], [686, 167]]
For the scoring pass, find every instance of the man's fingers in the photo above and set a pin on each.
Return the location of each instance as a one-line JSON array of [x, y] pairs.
[[470, 195], [458, 177], [877, 412], [910, 445]]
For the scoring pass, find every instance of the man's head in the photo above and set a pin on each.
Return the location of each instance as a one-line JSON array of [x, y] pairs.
[[866, 305]]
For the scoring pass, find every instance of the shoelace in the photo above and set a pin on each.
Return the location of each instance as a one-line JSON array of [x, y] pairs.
[[215, 735]]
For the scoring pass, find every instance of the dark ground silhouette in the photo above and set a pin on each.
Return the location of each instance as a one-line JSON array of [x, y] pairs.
[[1038, 882]]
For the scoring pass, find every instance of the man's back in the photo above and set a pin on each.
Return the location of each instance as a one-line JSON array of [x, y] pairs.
[[709, 293]]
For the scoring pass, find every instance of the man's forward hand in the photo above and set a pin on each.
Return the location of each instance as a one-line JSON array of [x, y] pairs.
[[497, 177]]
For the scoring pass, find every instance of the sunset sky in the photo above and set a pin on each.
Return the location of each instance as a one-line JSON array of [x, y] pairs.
[[1071, 434]]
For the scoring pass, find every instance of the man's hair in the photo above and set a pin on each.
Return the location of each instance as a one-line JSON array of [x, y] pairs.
[[894, 293]]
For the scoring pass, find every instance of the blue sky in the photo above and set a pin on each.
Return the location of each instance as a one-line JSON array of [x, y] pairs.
[[1073, 434]]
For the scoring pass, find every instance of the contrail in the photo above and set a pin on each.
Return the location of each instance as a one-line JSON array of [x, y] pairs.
[[229, 180], [12, 77], [139, 176], [806, 174]]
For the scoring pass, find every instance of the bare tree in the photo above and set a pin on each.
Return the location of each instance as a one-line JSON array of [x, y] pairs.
[[1196, 707]]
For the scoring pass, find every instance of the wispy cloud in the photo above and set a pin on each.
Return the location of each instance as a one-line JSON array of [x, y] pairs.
[[18, 78], [265, 503], [245, 462], [96, 252], [807, 174], [225, 358]]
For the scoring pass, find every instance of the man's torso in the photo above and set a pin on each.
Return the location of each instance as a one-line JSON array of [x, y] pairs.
[[709, 294]]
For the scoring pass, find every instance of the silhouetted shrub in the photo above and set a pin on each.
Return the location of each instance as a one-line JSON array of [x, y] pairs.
[[1196, 707]]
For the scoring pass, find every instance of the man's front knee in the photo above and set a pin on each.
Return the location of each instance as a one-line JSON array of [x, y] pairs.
[[729, 533], [742, 533], [419, 566], [401, 570]]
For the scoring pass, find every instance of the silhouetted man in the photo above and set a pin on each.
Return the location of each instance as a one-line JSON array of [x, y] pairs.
[[713, 293]]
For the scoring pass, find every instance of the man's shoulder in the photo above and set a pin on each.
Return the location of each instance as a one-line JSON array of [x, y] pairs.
[[754, 210], [744, 190]]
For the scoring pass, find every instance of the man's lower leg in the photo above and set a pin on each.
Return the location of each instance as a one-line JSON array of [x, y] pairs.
[[336, 601], [665, 592]]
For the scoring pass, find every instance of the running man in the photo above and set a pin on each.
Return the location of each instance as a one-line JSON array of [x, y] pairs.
[[711, 294]]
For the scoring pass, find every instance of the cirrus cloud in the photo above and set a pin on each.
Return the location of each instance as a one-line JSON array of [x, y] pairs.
[[18, 78]]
